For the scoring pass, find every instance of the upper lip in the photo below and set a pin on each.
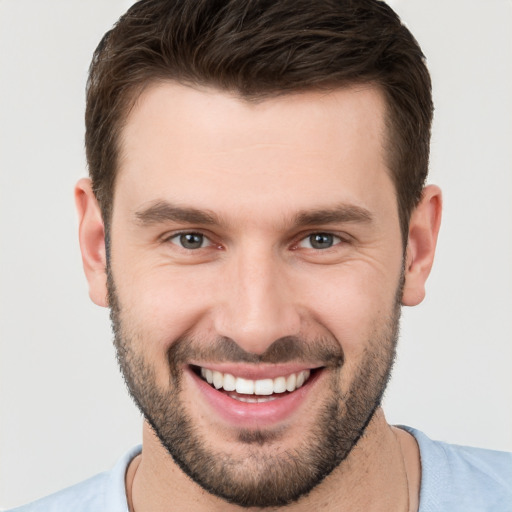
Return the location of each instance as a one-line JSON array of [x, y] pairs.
[[257, 371]]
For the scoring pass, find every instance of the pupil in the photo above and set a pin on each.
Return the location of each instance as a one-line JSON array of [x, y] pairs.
[[191, 241], [321, 241]]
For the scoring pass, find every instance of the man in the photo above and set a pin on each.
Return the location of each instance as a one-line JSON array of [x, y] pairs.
[[256, 217]]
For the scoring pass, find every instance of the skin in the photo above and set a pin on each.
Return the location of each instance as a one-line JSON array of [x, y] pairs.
[[257, 167]]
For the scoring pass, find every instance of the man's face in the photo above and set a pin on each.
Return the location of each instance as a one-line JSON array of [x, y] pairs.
[[257, 244]]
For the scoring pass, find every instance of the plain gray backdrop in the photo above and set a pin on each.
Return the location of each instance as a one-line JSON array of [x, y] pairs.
[[64, 412]]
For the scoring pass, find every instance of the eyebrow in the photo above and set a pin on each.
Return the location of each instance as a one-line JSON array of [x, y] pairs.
[[339, 214], [163, 211]]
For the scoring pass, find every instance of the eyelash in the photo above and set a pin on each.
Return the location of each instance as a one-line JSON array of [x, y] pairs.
[[189, 233], [337, 240]]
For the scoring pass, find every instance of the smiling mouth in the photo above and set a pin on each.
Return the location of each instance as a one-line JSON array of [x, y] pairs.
[[254, 391]]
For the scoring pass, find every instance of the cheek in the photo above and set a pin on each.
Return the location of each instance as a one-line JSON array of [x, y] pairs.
[[354, 304], [157, 308]]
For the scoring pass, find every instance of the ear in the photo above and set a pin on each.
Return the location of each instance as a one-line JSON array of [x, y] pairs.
[[91, 233], [421, 246]]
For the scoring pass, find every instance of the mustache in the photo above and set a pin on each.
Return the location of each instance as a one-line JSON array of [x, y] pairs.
[[326, 351]]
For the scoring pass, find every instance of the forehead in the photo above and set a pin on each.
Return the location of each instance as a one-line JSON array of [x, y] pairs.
[[215, 150]]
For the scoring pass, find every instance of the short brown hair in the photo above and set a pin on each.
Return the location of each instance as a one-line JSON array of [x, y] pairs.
[[259, 48]]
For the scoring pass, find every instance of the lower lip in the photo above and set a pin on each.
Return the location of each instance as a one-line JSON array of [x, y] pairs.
[[254, 415]]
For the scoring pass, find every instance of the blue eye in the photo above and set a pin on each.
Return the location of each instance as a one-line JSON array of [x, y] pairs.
[[320, 241], [190, 240]]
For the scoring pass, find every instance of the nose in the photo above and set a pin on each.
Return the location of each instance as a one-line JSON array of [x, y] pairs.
[[256, 305]]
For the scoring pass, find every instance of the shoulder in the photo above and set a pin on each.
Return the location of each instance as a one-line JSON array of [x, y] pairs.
[[83, 497], [105, 491], [463, 478]]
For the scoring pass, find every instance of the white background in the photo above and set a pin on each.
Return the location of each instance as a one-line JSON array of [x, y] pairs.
[[64, 413]]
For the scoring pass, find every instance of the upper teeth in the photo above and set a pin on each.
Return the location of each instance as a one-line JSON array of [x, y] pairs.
[[229, 382]]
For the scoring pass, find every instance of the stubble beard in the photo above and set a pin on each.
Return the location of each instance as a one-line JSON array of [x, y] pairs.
[[263, 476]]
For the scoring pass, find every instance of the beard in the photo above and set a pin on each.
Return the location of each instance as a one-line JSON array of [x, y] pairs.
[[264, 476]]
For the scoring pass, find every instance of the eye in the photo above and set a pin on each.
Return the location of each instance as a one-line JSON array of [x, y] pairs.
[[190, 240], [320, 241]]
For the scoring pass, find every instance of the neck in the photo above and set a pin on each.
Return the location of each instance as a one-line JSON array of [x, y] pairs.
[[381, 473]]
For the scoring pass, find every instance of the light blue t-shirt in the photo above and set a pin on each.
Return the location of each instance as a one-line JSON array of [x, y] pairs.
[[453, 479]]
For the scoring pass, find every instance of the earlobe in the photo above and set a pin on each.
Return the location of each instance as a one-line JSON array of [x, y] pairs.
[[91, 232], [423, 230]]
